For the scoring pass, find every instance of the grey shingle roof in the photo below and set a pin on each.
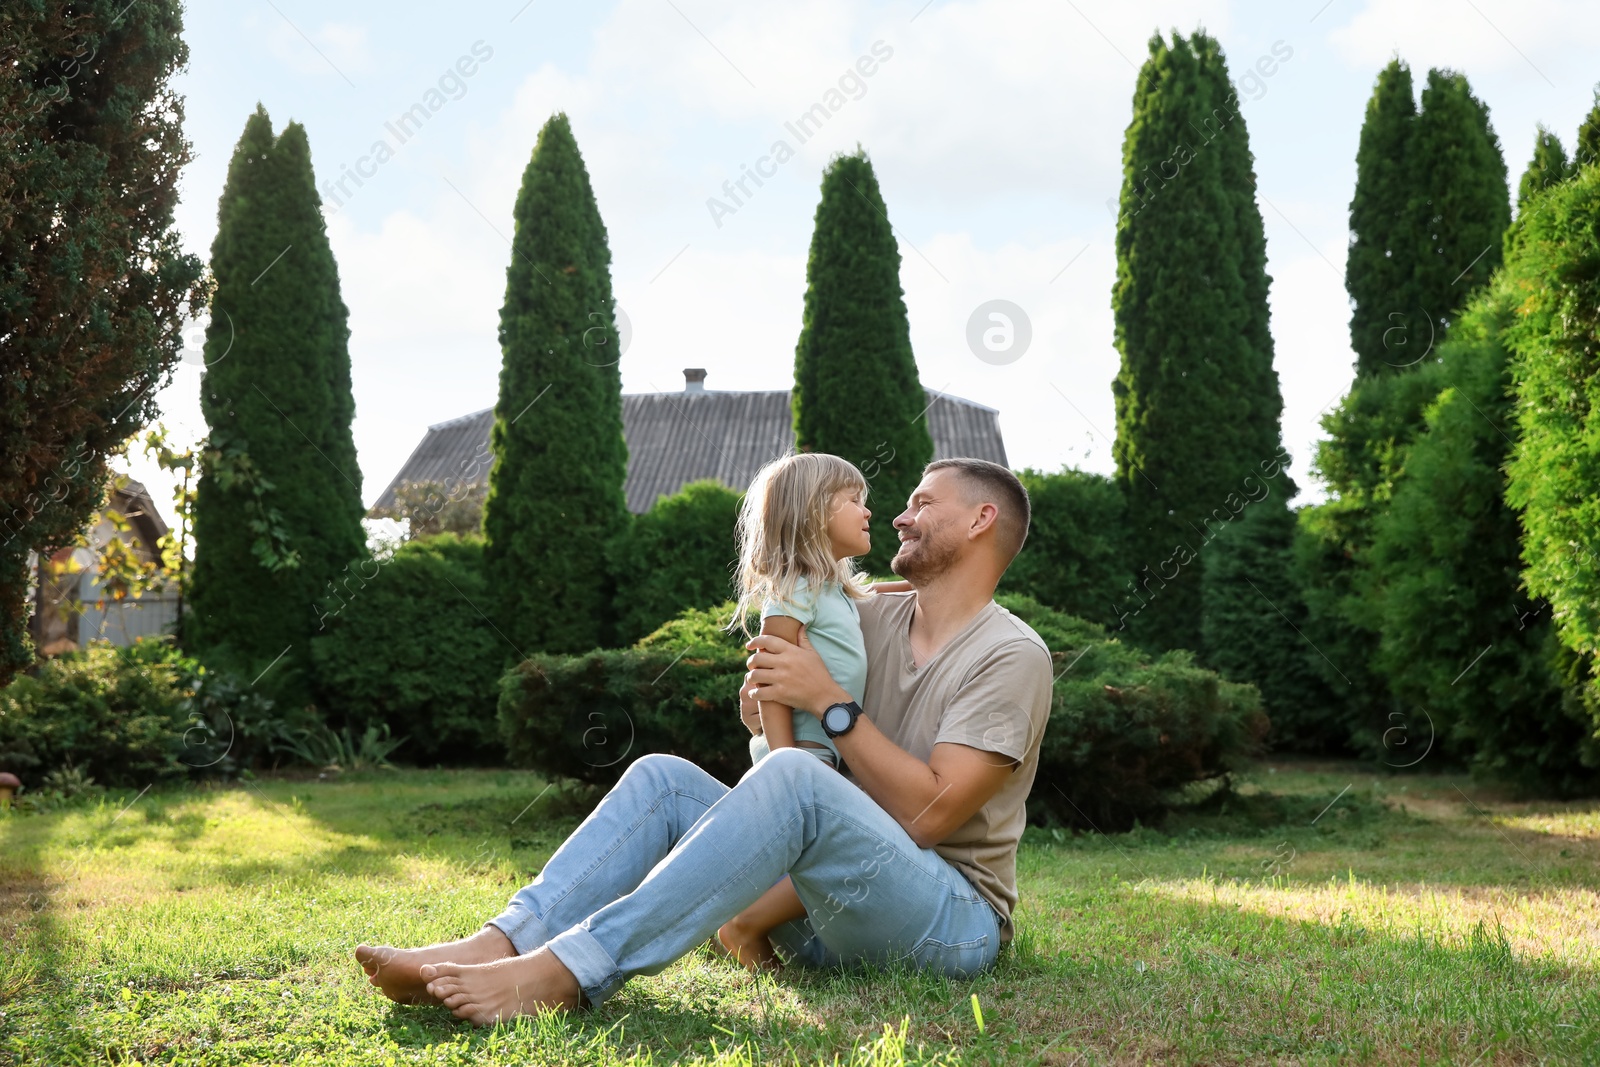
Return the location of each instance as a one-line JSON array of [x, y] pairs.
[[677, 438]]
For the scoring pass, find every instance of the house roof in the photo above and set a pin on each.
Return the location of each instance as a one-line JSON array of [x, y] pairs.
[[132, 500], [677, 438]]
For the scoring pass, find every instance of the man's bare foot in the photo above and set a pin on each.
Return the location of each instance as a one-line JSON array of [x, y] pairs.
[[500, 991], [396, 971], [753, 948]]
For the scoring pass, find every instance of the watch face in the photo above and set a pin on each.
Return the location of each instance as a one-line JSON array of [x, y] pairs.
[[837, 718]]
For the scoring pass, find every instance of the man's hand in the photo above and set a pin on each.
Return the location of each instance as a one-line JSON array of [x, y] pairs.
[[791, 674]]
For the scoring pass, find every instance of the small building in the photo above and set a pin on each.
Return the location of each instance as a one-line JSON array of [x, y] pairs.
[[71, 607], [677, 438]]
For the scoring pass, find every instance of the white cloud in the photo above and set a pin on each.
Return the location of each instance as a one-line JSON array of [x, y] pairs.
[[343, 45]]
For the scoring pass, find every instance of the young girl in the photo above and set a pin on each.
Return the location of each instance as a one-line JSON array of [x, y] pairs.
[[803, 519]]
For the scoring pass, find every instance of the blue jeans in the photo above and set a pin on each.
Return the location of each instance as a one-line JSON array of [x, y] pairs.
[[671, 854]]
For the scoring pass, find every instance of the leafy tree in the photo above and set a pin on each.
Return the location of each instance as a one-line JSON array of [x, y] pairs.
[[430, 508], [1467, 655], [1074, 560], [1197, 399], [555, 489], [1547, 167], [678, 555], [278, 506], [856, 391], [92, 278], [1555, 368]]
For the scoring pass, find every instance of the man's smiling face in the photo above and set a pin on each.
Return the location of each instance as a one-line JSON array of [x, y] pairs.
[[930, 528]]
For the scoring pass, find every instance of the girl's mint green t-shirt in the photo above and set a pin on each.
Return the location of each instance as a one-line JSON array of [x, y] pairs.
[[834, 627]]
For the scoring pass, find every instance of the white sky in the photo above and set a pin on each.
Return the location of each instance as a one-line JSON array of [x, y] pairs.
[[995, 129]]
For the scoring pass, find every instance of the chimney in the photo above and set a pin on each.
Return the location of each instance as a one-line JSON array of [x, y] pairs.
[[694, 379]]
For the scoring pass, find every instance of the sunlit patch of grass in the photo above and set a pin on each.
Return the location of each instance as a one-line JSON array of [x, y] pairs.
[[1553, 925]]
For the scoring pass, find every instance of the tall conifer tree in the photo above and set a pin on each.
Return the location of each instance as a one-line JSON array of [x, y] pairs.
[[1197, 399], [1427, 219], [1586, 149], [555, 491], [1459, 202], [1547, 167], [856, 390], [1377, 273], [278, 511]]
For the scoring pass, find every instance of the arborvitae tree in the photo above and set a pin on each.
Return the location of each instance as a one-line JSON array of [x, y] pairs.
[[278, 507], [1378, 273], [1587, 148], [1458, 202], [92, 278], [856, 391], [555, 491], [1555, 466], [1197, 398], [1454, 210], [1547, 167], [1466, 653]]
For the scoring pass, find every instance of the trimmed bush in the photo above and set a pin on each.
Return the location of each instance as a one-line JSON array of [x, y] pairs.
[[678, 555], [1074, 560], [1126, 733], [117, 715], [409, 647]]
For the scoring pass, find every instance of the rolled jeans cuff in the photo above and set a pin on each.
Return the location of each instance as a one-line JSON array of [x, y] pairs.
[[597, 973], [525, 930]]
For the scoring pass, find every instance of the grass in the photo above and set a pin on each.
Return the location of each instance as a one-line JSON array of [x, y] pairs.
[[1323, 914]]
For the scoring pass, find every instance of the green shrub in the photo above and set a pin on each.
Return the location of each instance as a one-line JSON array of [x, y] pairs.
[[231, 725], [116, 715], [408, 646], [587, 717], [1074, 560], [678, 555], [1126, 732]]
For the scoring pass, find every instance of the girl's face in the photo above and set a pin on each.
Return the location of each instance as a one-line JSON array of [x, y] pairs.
[[847, 524]]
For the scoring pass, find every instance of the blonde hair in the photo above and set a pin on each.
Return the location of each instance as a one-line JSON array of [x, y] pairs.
[[783, 531]]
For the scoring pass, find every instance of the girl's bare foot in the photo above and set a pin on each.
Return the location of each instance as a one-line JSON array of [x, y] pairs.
[[397, 971], [498, 992], [750, 947]]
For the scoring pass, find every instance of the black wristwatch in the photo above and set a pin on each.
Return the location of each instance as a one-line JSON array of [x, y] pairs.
[[840, 718]]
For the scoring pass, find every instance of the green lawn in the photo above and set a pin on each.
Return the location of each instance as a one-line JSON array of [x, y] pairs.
[[1411, 921]]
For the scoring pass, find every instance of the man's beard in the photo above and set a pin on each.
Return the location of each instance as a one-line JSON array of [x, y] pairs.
[[926, 558]]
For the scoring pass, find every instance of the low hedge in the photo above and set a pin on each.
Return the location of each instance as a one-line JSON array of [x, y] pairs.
[[1127, 733]]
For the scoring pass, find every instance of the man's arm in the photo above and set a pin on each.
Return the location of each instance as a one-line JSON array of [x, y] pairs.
[[929, 800]]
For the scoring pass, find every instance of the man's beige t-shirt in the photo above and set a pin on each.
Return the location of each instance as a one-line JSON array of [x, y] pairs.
[[989, 689]]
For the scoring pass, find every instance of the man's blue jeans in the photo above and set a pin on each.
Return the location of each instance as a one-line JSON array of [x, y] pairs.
[[671, 854]]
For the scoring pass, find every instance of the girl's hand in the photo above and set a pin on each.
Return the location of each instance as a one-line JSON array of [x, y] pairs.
[[901, 586]]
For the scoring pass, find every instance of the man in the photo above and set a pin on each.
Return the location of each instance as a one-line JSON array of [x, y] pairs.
[[912, 857]]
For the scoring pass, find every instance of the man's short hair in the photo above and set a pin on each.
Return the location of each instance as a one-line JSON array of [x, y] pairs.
[[996, 485]]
